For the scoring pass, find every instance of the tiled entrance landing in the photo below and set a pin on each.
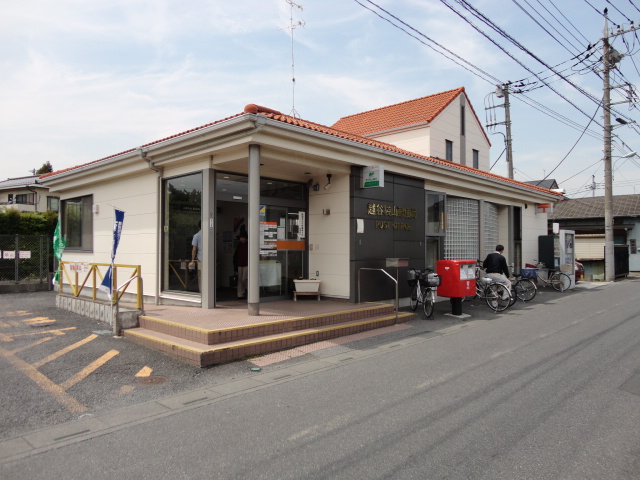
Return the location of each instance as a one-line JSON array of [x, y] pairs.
[[205, 337]]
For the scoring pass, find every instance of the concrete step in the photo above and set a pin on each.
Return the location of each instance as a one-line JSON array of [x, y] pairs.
[[202, 354], [244, 332]]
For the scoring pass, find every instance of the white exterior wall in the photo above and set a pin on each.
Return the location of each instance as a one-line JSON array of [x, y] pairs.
[[329, 237], [417, 140], [430, 139], [137, 197], [533, 225]]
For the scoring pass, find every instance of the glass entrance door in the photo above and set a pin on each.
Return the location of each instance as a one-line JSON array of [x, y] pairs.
[[182, 213], [282, 249], [282, 234]]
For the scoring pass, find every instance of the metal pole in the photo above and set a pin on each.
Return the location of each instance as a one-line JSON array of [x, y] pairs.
[[609, 263], [253, 226]]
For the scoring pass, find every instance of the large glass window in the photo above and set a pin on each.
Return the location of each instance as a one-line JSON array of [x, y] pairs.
[[77, 223], [182, 205]]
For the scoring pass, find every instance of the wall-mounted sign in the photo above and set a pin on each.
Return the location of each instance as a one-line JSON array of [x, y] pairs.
[[372, 176], [544, 207]]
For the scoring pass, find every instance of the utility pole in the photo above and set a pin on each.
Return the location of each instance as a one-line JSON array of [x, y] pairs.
[[502, 91], [609, 59], [609, 251]]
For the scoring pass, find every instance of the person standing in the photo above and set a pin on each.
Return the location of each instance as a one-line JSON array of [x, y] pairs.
[[196, 253], [241, 264], [496, 267]]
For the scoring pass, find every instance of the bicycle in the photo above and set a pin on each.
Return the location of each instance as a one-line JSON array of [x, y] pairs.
[[496, 294], [524, 288], [558, 280], [421, 283]]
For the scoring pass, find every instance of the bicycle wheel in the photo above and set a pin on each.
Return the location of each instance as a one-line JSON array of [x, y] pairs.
[[525, 289], [414, 297], [513, 295], [560, 281], [497, 296], [428, 303]]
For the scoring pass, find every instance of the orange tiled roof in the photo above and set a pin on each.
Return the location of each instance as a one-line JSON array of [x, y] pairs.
[[403, 114], [275, 115], [281, 117], [131, 150]]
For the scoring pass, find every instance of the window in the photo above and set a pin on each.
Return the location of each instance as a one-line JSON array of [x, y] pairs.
[[53, 203], [10, 198], [462, 120], [476, 159], [77, 223], [449, 150], [25, 198]]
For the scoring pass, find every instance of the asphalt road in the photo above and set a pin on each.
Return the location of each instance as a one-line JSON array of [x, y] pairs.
[[546, 391]]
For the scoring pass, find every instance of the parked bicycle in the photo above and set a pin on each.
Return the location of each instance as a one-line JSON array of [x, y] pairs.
[[422, 283], [524, 288], [558, 280], [496, 294]]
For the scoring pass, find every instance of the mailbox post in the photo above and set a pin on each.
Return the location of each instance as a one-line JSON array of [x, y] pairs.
[[458, 279]]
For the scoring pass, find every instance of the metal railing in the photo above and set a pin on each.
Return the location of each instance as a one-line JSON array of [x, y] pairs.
[[388, 275], [77, 274]]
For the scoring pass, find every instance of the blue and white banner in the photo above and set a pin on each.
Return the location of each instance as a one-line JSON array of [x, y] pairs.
[[107, 282]]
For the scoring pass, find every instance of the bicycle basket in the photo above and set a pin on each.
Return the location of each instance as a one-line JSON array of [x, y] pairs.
[[529, 272], [412, 276], [433, 280]]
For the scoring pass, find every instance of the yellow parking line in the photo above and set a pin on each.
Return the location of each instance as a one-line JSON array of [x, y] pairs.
[[82, 374], [144, 372], [59, 353], [58, 332], [44, 383], [37, 320], [37, 342]]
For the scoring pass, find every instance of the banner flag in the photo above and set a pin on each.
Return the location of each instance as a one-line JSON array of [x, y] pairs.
[[58, 247], [107, 282]]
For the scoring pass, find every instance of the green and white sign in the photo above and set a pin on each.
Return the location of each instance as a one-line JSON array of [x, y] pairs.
[[372, 176]]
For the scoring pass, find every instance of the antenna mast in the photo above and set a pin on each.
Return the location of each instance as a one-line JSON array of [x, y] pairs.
[[292, 26]]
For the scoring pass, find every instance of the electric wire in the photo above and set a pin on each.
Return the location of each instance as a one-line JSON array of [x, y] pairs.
[[493, 81]]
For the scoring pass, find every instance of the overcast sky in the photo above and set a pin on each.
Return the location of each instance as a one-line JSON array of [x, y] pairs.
[[83, 79]]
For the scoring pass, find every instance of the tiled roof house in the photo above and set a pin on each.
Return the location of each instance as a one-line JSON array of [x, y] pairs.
[[586, 217], [443, 125]]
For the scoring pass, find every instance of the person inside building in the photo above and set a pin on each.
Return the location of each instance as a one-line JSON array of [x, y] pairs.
[[241, 263], [496, 267], [196, 254]]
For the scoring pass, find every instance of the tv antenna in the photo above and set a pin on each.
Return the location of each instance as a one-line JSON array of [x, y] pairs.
[[291, 27]]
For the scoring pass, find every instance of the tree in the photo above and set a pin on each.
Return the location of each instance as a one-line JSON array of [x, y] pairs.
[[45, 168]]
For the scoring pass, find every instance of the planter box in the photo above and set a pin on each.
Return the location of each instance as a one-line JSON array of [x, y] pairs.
[[307, 286]]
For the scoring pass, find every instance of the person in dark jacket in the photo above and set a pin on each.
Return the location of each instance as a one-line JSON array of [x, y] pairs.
[[241, 263], [496, 267]]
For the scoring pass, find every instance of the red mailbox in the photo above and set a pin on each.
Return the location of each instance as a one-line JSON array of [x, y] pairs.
[[457, 278]]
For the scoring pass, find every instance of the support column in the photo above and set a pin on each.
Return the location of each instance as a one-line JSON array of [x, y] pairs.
[[208, 274], [253, 228]]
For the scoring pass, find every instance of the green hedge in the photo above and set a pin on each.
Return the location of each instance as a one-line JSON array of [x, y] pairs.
[[27, 223]]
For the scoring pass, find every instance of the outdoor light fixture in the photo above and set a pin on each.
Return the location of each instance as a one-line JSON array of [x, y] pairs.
[[328, 185]]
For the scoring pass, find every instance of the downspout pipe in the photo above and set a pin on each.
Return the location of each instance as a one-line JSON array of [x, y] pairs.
[[35, 196], [143, 155]]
